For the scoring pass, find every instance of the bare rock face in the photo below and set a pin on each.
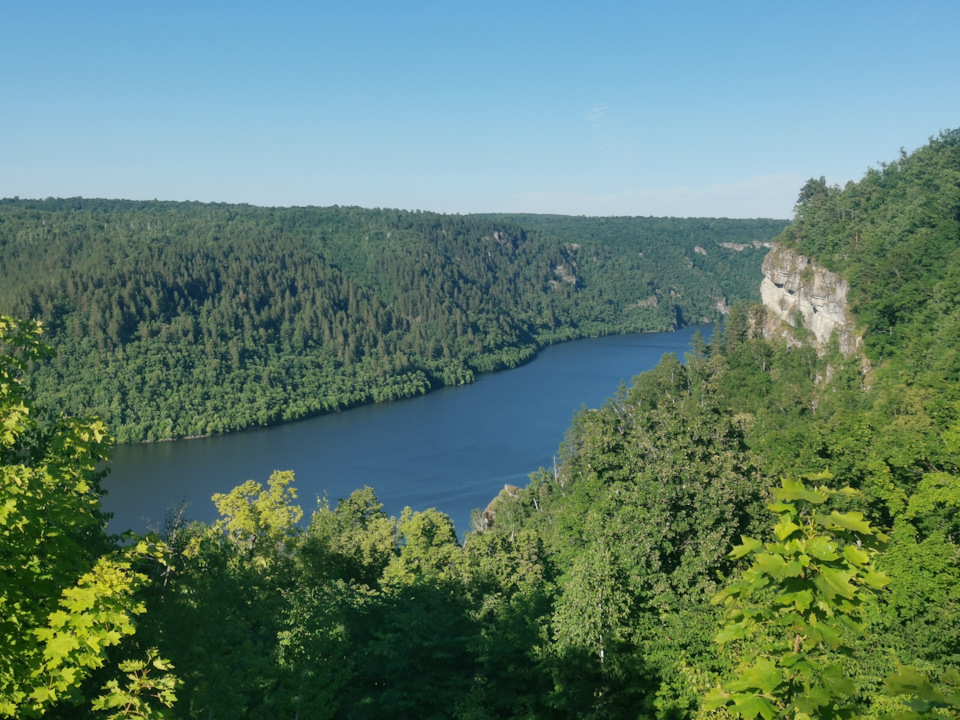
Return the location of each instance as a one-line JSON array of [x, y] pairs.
[[740, 247], [798, 292]]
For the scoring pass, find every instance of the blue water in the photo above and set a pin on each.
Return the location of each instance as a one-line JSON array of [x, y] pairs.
[[453, 449]]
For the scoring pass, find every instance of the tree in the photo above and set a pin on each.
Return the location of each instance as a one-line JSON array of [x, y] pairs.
[[261, 522], [796, 610], [67, 594]]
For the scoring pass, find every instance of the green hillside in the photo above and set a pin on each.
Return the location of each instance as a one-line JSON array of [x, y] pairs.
[[659, 484], [182, 319], [662, 256]]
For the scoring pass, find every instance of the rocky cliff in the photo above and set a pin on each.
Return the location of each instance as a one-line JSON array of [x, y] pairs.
[[804, 295]]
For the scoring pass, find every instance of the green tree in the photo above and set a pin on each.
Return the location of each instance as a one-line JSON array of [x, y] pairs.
[[67, 594], [261, 523], [797, 610]]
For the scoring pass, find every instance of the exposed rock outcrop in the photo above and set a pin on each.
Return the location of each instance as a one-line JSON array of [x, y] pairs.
[[651, 301], [798, 292], [565, 273], [740, 247], [488, 517]]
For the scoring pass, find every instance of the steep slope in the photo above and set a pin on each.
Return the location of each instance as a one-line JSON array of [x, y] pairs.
[[695, 267], [801, 294], [881, 415]]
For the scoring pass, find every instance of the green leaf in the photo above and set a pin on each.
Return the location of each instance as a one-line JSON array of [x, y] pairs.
[[815, 698], [58, 619], [855, 555], [715, 698], [42, 695], [59, 646], [830, 635], [720, 596], [785, 528], [749, 706], [769, 564], [747, 546], [794, 490], [763, 675], [835, 680], [783, 508], [821, 548], [852, 521], [833, 582], [778, 567], [801, 599], [876, 580], [734, 631]]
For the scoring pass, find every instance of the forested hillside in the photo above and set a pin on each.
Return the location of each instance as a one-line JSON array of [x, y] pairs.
[[765, 530], [181, 319], [615, 255]]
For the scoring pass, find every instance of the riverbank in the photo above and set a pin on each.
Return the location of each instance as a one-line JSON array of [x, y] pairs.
[[453, 449]]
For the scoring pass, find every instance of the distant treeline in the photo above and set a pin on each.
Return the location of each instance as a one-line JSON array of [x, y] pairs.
[[180, 319]]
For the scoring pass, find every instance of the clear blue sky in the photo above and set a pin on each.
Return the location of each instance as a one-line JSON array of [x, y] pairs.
[[600, 108]]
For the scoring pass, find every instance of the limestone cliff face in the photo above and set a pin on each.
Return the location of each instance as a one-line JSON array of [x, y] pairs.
[[796, 291]]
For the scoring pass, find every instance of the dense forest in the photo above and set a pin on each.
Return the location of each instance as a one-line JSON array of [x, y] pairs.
[[184, 319], [767, 529], [616, 255]]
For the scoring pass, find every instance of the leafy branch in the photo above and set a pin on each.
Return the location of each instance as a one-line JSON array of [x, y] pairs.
[[796, 610]]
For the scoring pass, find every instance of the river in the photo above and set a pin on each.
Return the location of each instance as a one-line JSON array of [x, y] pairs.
[[453, 449]]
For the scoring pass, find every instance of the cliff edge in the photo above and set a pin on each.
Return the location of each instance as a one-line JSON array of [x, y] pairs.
[[805, 295]]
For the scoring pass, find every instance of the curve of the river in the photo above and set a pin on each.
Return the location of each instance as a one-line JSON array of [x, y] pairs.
[[453, 449]]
